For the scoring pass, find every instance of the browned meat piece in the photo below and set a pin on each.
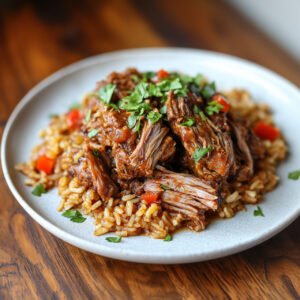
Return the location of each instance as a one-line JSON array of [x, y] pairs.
[[202, 134], [151, 147], [82, 172], [185, 184], [248, 148], [106, 188]]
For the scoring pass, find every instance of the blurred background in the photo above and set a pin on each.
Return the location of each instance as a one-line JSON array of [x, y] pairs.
[[39, 37]]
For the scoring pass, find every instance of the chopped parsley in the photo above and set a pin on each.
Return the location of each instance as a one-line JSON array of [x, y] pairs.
[[52, 116], [258, 212], [39, 190], [294, 175], [163, 109], [170, 84], [154, 116], [96, 153], [137, 127], [135, 78], [114, 239], [208, 90], [132, 121], [105, 93], [88, 115], [190, 122], [74, 216], [213, 108], [200, 152], [202, 115], [148, 75], [196, 109], [74, 106], [168, 238], [165, 187], [92, 133]]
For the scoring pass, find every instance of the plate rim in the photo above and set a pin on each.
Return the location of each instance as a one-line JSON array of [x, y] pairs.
[[108, 251]]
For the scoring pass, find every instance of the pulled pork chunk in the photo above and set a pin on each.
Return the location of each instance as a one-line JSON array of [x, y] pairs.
[[105, 187], [203, 134], [151, 147], [247, 149]]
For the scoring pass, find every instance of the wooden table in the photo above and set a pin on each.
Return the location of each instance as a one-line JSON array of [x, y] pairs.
[[40, 37]]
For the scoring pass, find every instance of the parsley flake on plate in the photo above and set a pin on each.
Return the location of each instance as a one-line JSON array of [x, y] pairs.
[[168, 238], [114, 239], [74, 215], [258, 212], [105, 93], [190, 122], [88, 115], [208, 90], [154, 116], [200, 152], [39, 190], [294, 175], [165, 187], [92, 133]]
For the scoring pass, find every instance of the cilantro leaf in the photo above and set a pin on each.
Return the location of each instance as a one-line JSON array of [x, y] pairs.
[[169, 84], [190, 122], [74, 106], [38, 190], [137, 127], [258, 212], [168, 238], [115, 239], [135, 78], [198, 79], [196, 109], [200, 152], [72, 213], [294, 175], [105, 93], [78, 219], [154, 116], [202, 115], [96, 153], [92, 133], [154, 91], [149, 75], [52, 116], [132, 120], [208, 90], [163, 109], [213, 107], [165, 187], [88, 115]]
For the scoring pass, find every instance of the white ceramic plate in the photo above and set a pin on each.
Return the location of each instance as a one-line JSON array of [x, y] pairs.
[[223, 237]]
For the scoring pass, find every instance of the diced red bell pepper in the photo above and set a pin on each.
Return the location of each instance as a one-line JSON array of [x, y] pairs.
[[150, 197], [162, 74], [46, 164], [266, 131], [221, 100], [74, 119]]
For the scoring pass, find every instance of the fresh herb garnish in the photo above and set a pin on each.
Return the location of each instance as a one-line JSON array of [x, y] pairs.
[[169, 84], [165, 187], [96, 153], [38, 190], [74, 106], [202, 115], [105, 93], [137, 127], [135, 78], [190, 122], [74, 215], [148, 75], [258, 212], [92, 133], [196, 109], [114, 239], [208, 90], [168, 238], [213, 108], [88, 115], [154, 116], [198, 79], [113, 106], [163, 109], [294, 175], [132, 119], [52, 116], [200, 152]]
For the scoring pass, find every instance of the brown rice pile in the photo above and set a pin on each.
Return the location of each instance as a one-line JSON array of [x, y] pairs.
[[128, 215]]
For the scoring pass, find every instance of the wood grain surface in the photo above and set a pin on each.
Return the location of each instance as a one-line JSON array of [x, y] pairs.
[[39, 37]]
